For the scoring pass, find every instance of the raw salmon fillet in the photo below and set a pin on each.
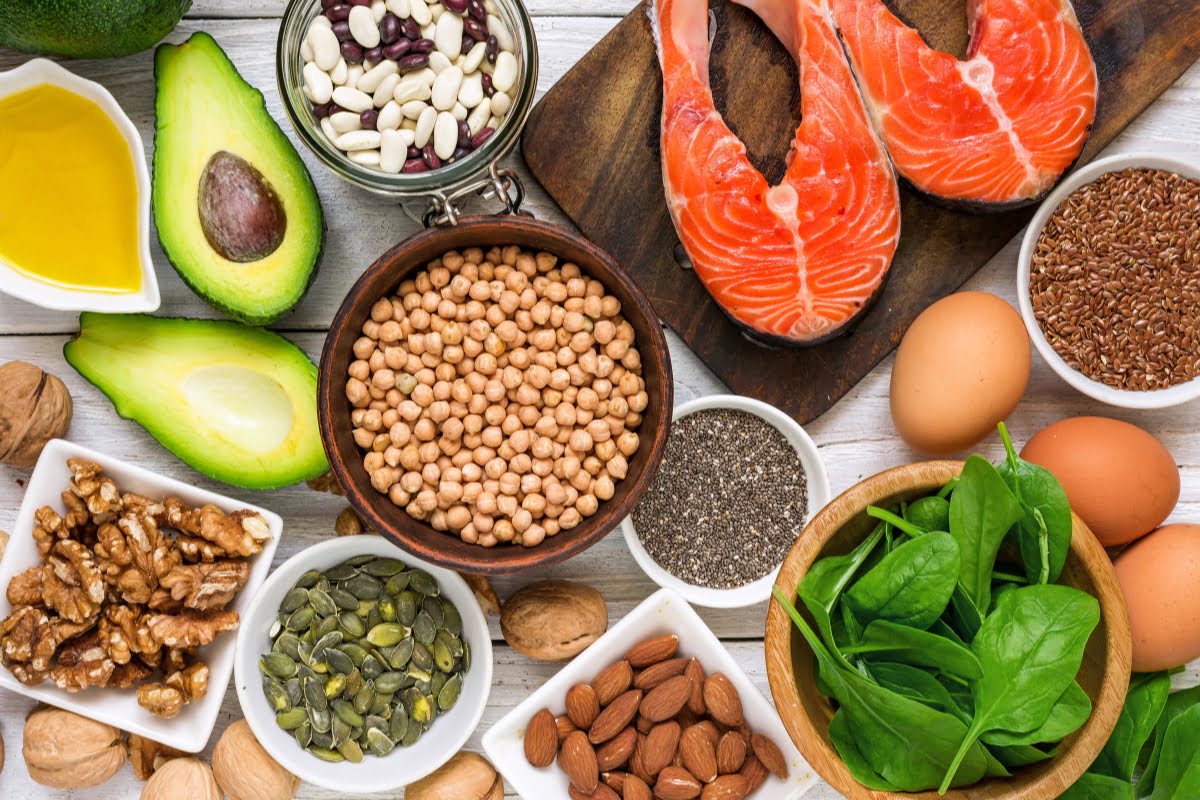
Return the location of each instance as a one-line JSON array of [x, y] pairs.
[[998, 128], [797, 262]]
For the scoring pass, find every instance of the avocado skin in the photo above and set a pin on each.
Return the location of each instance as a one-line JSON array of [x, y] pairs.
[[87, 28], [125, 333], [194, 273]]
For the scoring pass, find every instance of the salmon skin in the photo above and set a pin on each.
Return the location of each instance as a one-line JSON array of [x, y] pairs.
[[988, 133], [794, 263]]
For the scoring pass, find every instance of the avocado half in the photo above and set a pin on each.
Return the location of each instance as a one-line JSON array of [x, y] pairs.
[[87, 28], [236, 210], [236, 403]]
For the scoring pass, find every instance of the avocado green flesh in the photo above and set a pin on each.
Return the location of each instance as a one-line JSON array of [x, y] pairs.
[[204, 107], [87, 28], [236, 403]]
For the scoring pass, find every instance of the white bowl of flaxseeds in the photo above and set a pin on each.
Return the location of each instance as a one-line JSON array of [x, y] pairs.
[[736, 486], [1108, 281]]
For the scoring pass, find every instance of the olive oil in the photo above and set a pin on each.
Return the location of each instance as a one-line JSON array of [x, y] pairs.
[[68, 193]]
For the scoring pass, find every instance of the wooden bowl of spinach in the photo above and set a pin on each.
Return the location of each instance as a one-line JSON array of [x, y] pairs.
[[958, 628]]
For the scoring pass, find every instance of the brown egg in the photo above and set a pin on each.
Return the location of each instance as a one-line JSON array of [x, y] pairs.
[[961, 368], [1119, 479], [1160, 576]]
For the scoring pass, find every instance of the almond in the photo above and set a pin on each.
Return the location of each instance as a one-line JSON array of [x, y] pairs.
[[564, 727], [659, 747], [726, 787], [696, 702], [617, 750], [602, 793], [612, 682], [770, 755], [724, 704], [655, 674], [710, 731], [698, 754], [541, 739], [731, 752], [578, 760], [615, 779], [582, 705], [636, 767], [616, 717], [644, 725], [636, 789], [665, 700], [754, 772], [653, 650], [675, 783]]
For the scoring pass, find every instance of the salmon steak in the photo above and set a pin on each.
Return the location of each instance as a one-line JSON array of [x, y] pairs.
[[993, 131], [797, 262]]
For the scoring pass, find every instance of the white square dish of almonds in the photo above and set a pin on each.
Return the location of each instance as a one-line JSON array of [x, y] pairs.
[[653, 625], [128, 588]]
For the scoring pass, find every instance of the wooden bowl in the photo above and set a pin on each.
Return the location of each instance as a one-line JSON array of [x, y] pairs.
[[381, 279], [806, 713]]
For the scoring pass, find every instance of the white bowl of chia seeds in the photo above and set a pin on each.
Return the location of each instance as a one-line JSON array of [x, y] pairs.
[[739, 481], [1108, 281]]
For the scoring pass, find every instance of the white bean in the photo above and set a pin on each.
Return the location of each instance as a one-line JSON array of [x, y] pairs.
[[413, 109], [436, 10], [438, 62], [479, 116], [427, 31], [358, 140], [352, 99], [470, 94], [368, 158], [353, 73], [392, 151], [497, 28], [411, 87], [449, 34], [445, 135], [458, 111], [316, 80], [389, 117], [427, 75], [363, 27], [506, 71], [339, 73], [345, 121], [445, 88], [325, 47], [411, 124], [378, 9], [501, 103], [327, 129], [319, 21], [371, 79], [474, 57], [419, 12], [306, 53], [386, 91], [425, 123], [397, 7], [493, 123]]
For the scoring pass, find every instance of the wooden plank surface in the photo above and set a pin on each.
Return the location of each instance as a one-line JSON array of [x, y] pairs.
[[855, 438], [612, 100]]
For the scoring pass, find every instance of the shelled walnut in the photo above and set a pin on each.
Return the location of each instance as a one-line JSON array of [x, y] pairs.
[[128, 589]]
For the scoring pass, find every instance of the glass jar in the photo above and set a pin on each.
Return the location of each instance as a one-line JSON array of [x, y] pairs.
[[476, 171]]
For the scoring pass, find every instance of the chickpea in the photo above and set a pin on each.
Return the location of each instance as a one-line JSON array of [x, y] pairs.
[[485, 503], [616, 349], [582, 343], [569, 518], [469, 535], [507, 505], [528, 414], [510, 483], [492, 436], [429, 452], [370, 329], [534, 503], [587, 504], [511, 425], [453, 354], [356, 393], [398, 495], [638, 403], [482, 522], [390, 331], [581, 480], [581, 441], [449, 492], [381, 442], [457, 517], [542, 467], [554, 491], [372, 462], [628, 443], [542, 447], [410, 456], [478, 404], [472, 492], [363, 438], [551, 397], [431, 473], [520, 463]]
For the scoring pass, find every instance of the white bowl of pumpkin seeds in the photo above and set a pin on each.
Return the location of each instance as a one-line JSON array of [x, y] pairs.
[[390, 655]]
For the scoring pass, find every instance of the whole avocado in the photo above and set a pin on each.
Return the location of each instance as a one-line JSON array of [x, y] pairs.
[[87, 28]]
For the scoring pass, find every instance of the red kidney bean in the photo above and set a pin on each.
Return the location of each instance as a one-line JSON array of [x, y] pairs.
[[457, 6], [352, 51], [389, 28], [493, 49], [324, 109], [477, 11], [423, 46], [429, 157], [414, 165], [464, 134], [410, 28], [488, 88], [342, 31], [474, 28], [478, 139], [460, 152], [467, 44], [397, 48], [359, 2], [412, 61], [369, 118], [374, 55], [413, 152], [338, 13]]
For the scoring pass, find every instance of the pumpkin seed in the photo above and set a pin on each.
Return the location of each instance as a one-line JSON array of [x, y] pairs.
[[442, 657], [287, 643], [294, 599], [321, 602], [383, 567], [412, 735], [373, 617], [423, 629], [397, 583], [343, 599], [364, 587], [341, 731], [379, 743], [308, 579], [399, 655], [389, 682], [358, 561], [452, 642], [448, 696], [406, 607], [321, 719], [300, 619], [433, 607], [335, 685], [338, 661], [351, 624], [381, 708], [398, 726], [325, 627], [275, 628], [342, 572], [419, 708], [437, 682], [364, 699], [314, 695], [351, 751], [322, 753], [372, 667], [353, 681], [303, 734], [422, 659], [387, 608], [386, 634], [356, 652], [291, 719], [451, 619], [277, 664], [424, 583], [466, 656], [345, 712], [276, 694], [374, 722], [294, 692]]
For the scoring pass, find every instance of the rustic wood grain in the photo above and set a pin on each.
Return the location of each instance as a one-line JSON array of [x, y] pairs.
[[592, 142]]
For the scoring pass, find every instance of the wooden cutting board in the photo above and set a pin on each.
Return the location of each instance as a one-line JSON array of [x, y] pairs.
[[592, 142]]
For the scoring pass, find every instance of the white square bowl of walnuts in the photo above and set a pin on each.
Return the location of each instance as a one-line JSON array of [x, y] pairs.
[[122, 590], [661, 636]]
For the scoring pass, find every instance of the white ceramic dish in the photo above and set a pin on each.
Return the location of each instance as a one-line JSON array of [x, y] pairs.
[[818, 495], [34, 73], [403, 765], [190, 730], [663, 612], [1124, 398]]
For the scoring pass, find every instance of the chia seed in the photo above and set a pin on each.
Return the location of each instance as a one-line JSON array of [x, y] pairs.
[[727, 503]]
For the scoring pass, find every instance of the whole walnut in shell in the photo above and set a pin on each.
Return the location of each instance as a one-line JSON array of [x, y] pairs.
[[466, 776], [245, 771], [553, 620], [182, 779], [35, 407], [67, 751]]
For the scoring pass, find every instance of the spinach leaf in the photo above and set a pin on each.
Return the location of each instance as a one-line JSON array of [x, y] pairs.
[[1178, 775], [916, 684], [1070, 711], [1092, 786], [1020, 755], [1030, 647], [931, 513], [1177, 703], [893, 642], [982, 509], [1144, 705], [907, 743], [1044, 531], [825, 581], [897, 522], [852, 757], [911, 585]]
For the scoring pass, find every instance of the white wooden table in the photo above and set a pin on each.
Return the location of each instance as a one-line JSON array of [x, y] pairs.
[[856, 437]]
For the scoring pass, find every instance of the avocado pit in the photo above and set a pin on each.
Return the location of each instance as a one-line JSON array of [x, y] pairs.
[[240, 213]]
